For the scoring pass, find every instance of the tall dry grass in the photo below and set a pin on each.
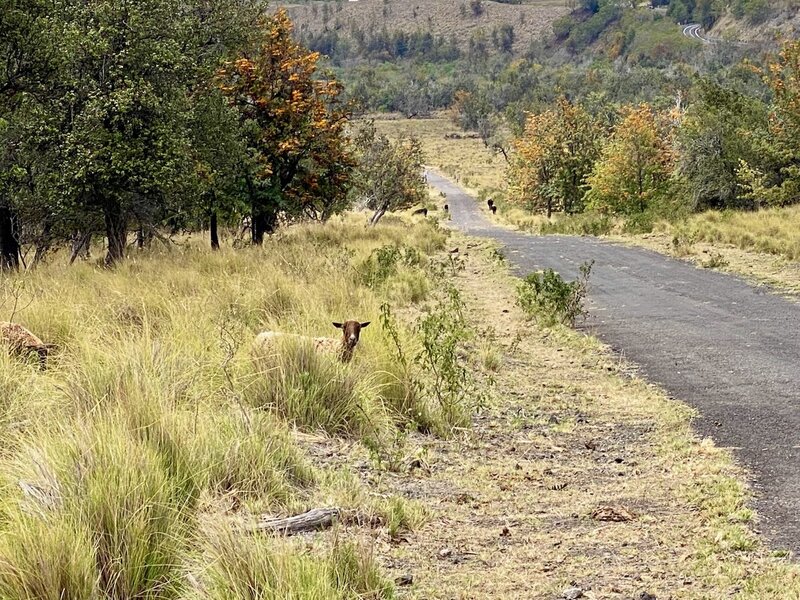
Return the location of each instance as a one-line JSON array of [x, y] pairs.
[[772, 231], [154, 413]]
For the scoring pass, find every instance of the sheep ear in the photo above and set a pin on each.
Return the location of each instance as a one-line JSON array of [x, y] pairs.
[[337, 325], [365, 324]]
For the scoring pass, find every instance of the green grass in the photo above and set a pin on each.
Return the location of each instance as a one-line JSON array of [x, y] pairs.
[[118, 463]]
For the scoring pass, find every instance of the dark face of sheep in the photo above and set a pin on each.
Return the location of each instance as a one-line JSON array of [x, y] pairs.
[[351, 331]]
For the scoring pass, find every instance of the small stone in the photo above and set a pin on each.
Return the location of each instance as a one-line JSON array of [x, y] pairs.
[[617, 513], [572, 593], [445, 552], [646, 596], [404, 580]]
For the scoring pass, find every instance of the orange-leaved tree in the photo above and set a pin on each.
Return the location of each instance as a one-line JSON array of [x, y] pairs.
[[534, 164], [553, 157], [294, 121], [636, 165]]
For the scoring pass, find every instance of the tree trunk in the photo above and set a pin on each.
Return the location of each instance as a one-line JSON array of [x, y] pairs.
[[43, 243], [378, 215], [81, 242], [9, 240], [116, 231], [214, 231]]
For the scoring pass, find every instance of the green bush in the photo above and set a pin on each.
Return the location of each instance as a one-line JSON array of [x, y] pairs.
[[546, 296]]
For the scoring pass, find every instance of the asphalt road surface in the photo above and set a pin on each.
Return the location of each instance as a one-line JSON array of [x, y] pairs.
[[727, 348]]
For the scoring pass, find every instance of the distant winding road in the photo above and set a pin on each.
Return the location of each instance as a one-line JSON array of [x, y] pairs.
[[695, 32], [710, 339]]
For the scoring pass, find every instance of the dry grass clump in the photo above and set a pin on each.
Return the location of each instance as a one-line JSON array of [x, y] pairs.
[[154, 417], [267, 569], [772, 231]]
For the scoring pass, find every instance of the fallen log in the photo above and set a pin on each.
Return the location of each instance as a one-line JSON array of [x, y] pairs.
[[313, 520]]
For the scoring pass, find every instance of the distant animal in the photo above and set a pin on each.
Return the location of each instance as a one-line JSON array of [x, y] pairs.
[[421, 211], [20, 341], [342, 348], [446, 208], [494, 209], [490, 203]]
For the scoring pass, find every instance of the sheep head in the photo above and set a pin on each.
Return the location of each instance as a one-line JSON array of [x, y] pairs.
[[351, 331]]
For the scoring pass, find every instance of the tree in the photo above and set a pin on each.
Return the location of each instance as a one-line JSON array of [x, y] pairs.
[[636, 164], [219, 154], [389, 176], [721, 129], [294, 124], [28, 54], [554, 155], [776, 181], [535, 164]]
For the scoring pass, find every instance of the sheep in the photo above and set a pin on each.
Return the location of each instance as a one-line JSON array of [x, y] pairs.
[[446, 208], [494, 209], [342, 348], [490, 203], [20, 341]]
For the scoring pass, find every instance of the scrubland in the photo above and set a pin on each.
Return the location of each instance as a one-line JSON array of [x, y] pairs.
[[470, 451]]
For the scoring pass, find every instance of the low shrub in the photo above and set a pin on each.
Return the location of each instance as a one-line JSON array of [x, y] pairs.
[[546, 296]]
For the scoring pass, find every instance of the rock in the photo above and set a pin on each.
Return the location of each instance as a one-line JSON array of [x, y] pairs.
[[572, 593], [645, 596], [445, 552], [617, 514], [404, 580]]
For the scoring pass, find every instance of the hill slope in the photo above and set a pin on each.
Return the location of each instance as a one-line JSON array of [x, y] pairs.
[[447, 18]]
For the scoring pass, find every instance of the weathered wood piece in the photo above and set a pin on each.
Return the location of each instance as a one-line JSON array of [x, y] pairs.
[[313, 520]]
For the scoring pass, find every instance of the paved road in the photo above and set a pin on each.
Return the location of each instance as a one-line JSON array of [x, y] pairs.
[[696, 32], [727, 348]]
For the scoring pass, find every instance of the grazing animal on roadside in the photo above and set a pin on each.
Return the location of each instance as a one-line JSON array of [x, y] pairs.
[[490, 203], [421, 211], [446, 208], [494, 209], [20, 341], [342, 348]]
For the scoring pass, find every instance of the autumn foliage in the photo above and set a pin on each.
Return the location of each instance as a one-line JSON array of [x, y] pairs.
[[779, 183], [553, 158], [294, 122], [636, 164]]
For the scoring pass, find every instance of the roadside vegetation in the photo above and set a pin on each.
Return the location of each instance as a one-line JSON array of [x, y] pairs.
[[133, 465]]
